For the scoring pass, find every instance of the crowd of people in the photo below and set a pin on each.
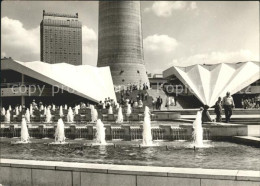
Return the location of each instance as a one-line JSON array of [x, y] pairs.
[[227, 103], [106, 104], [132, 86], [157, 103], [135, 100], [170, 101], [251, 103]]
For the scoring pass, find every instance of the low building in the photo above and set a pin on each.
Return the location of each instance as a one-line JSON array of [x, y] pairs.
[[156, 81], [208, 82], [61, 83]]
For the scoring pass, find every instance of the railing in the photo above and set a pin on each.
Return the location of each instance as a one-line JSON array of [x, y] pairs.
[[117, 133], [179, 134], [136, 133]]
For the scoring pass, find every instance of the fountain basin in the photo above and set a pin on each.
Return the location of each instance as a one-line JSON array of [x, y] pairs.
[[147, 146], [20, 142], [178, 154], [98, 144], [57, 143]]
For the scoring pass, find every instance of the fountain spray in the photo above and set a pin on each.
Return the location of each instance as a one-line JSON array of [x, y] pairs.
[[24, 132], [120, 117], [198, 130], [61, 111], [7, 117], [3, 111], [48, 115], [70, 117], [94, 114], [100, 135], [59, 133], [27, 116], [110, 110], [147, 131]]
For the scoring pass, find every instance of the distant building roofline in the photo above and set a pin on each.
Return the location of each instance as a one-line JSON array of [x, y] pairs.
[[59, 14], [155, 75], [3, 58], [213, 64]]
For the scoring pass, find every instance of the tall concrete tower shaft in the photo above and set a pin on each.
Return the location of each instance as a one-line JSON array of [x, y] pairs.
[[120, 42]]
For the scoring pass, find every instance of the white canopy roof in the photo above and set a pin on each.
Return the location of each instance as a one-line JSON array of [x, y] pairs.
[[208, 82], [86, 81]]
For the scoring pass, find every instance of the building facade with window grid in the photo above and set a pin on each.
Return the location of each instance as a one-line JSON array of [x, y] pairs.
[[61, 38]]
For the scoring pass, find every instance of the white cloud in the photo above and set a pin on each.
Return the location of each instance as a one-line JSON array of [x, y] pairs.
[[88, 35], [24, 44], [217, 57], [193, 5], [161, 43], [89, 46], [165, 8], [18, 42]]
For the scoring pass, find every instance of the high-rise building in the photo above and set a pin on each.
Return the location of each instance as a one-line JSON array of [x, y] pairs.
[[61, 38], [120, 42]]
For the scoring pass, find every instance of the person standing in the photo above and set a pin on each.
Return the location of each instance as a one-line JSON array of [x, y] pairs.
[[258, 100], [218, 110], [137, 97], [175, 99], [160, 102], [100, 105], [205, 114], [142, 96], [246, 103], [157, 103], [34, 104], [131, 102], [228, 104], [146, 96]]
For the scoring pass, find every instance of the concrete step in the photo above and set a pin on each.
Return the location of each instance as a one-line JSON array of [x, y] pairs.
[[133, 95], [156, 93], [247, 140], [245, 122]]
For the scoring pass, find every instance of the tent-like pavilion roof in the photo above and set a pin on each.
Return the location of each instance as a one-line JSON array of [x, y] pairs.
[[208, 82], [93, 83]]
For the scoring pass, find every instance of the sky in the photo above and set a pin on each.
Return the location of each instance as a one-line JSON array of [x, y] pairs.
[[177, 33]]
